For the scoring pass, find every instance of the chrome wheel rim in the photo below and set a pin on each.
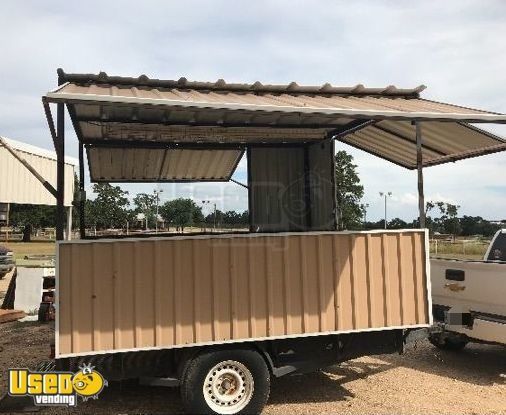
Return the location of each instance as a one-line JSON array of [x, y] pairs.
[[228, 387]]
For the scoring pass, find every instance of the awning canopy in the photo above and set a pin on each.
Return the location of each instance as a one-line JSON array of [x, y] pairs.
[[154, 118], [110, 164], [443, 142]]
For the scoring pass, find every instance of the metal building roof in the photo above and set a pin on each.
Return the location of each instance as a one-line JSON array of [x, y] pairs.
[[18, 185], [142, 113]]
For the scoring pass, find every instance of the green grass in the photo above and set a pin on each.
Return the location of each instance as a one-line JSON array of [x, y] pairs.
[[21, 249], [459, 249]]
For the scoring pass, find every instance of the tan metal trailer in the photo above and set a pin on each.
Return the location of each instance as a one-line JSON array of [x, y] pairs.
[[221, 314], [202, 290]]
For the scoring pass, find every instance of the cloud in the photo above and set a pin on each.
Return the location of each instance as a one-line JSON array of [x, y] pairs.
[[454, 47]]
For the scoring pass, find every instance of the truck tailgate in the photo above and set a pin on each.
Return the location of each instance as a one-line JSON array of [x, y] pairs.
[[475, 286]]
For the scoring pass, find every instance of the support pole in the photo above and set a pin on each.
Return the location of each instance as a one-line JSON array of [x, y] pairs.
[[82, 193], [419, 165], [68, 236], [60, 168]]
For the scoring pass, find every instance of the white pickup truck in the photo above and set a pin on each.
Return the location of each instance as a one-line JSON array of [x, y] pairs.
[[469, 298]]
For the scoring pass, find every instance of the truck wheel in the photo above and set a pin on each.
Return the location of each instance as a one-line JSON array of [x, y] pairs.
[[43, 313], [447, 343], [225, 382]]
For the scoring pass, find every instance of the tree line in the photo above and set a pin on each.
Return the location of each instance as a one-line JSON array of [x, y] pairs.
[[111, 208]]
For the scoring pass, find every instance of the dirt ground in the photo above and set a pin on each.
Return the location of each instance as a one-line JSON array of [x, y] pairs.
[[423, 380]]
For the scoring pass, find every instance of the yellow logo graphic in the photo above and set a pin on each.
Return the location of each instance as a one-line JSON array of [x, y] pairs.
[[57, 388]]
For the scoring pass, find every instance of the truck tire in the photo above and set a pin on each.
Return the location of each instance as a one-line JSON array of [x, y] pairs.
[[43, 314], [447, 343], [225, 382]]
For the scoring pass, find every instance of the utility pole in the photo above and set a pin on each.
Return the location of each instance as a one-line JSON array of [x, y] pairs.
[[366, 206], [157, 195], [204, 202], [215, 217], [385, 195]]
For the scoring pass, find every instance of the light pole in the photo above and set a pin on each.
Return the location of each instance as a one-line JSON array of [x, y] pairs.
[[366, 206], [157, 195], [204, 202], [385, 195], [215, 217]]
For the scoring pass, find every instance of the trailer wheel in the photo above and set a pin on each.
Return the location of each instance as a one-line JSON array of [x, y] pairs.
[[447, 343], [225, 382]]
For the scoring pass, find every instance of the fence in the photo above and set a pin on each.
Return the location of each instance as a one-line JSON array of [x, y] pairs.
[[464, 248]]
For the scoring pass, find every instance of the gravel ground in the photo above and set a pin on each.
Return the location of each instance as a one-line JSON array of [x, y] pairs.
[[423, 380]]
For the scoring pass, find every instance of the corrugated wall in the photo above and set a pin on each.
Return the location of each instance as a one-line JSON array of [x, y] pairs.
[[174, 292], [20, 186], [277, 198], [321, 184]]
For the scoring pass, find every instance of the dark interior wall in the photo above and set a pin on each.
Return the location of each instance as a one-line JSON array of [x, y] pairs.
[[277, 189], [321, 180], [278, 179]]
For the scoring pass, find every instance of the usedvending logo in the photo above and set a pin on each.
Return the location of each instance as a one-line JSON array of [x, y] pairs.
[[57, 388]]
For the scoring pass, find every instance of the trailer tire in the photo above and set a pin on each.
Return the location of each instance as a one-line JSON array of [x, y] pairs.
[[225, 382], [447, 343]]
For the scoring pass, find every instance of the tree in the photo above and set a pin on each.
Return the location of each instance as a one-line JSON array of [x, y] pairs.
[[349, 191], [181, 212], [146, 204], [397, 223], [448, 221], [109, 209], [36, 216]]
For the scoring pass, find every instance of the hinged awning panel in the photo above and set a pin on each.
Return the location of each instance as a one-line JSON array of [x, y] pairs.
[[111, 164], [442, 141]]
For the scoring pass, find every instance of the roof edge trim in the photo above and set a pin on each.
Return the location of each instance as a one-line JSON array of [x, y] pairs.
[[353, 113], [222, 85]]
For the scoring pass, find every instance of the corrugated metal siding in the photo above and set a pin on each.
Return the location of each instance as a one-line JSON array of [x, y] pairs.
[[174, 292], [227, 98], [277, 189], [144, 164], [396, 141], [20, 186], [321, 170]]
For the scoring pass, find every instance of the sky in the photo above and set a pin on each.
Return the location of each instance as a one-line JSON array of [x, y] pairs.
[[455, 48]]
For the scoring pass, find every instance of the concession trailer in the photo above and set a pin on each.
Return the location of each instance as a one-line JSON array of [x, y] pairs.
[[220, 314]]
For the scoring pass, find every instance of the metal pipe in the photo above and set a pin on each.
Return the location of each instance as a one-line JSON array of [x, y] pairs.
[[419, 164], [239, 183], [60, 168], [385, 195], [82, 193]]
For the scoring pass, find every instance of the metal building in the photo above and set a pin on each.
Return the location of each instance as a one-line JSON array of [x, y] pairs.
[[28, 175]]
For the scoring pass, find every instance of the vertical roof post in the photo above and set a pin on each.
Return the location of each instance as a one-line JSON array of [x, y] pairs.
[[419, 166], [60, 166], [82, 193]]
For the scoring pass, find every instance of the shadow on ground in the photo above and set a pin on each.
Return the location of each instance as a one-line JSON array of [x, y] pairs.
[[323, 386], [478, 364]]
